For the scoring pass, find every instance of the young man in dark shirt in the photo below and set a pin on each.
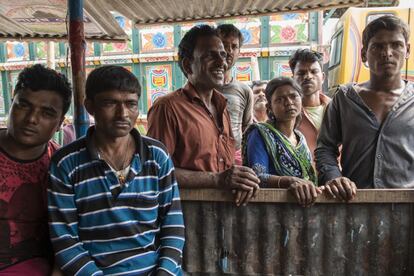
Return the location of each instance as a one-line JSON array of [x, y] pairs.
[[41, 98], [373, 120]]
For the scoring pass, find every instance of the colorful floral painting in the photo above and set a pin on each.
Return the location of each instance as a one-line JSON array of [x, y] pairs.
[[243, 71], [250, 29], [185, 27], [289, 28], [281, 69], [158, 39], [41, 49], [120, 47], [159, 81], [17, 51]]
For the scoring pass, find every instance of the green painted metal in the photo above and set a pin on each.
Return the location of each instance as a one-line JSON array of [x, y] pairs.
[[178, 76], [4, 81], [135, 41], [142, 104], [313, 26], [97, 49], [264, 31], [6, 94], [62, 49], [32, 51], [328, 16], [177, 35], [58, 137], [264, 65], [137, 71], [64, 70]]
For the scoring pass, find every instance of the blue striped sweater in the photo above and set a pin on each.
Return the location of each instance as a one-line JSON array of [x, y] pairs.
[[98, 227]]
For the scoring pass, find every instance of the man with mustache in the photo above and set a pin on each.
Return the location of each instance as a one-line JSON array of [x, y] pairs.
[[194, 124], [239, 95], [373, 121], [41, 98], [306, 66], [114, 206], [259, 101]]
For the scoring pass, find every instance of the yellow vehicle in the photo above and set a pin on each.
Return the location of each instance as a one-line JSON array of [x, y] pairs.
[[345, 64]]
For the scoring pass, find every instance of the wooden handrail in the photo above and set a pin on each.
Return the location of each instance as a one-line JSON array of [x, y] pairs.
[[284, 196]]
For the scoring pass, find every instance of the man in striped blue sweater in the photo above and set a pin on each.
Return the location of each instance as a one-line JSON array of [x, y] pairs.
[[114, 205]]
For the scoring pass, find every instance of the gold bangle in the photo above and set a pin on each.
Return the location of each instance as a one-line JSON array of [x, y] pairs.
[[278, 182]]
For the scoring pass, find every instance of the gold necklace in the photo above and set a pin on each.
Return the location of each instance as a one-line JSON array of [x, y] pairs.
[[120, 174]]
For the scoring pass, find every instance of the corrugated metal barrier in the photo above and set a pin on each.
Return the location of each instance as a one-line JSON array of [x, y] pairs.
[[372, 235]]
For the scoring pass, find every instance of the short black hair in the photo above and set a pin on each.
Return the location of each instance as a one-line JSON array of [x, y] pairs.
[[258, 83], [278, 82], [386, 22], [226, 30], [39, 77], [305, 55], [111, 77], [189, 42]]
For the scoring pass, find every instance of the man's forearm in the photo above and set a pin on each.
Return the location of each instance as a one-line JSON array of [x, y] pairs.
[[326, 164], [197, 179]]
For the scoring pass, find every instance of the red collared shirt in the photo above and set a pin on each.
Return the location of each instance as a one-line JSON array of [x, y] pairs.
[[183, 123]]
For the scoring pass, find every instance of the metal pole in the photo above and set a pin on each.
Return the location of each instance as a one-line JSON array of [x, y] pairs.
[[77, 46]]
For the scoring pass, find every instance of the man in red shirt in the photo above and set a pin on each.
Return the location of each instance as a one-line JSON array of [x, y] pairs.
[[41, 98], [194, 124], [306, 66]]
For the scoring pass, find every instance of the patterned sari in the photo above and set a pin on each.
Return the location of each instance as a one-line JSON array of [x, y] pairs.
[[269, 152]]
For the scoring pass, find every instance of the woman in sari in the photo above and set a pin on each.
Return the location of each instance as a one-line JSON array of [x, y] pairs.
[[276, 150]]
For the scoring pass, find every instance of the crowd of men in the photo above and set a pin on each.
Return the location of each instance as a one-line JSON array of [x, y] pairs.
[[112, 196]]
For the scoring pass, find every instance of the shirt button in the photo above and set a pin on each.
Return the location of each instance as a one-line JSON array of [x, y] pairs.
[[377, 181], [221, 160], [379, 156]]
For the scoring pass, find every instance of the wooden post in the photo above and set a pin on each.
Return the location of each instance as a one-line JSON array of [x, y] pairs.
[[77, 46]]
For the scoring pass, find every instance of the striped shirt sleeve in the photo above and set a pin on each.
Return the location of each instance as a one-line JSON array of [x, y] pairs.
[[70, 254], [172, 222]]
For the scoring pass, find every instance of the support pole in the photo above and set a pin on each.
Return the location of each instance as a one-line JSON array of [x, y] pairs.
[[51, 60], [77, 46]]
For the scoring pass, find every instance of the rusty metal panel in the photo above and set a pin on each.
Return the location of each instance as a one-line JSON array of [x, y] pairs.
[[282, 238]]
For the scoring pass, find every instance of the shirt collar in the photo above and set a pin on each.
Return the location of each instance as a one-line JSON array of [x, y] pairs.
[[141, 148], [324, 99], [217, 98]]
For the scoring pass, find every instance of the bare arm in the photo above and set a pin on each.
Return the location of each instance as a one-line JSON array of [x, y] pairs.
[[304, 191], [237, 178], [196, 179]]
